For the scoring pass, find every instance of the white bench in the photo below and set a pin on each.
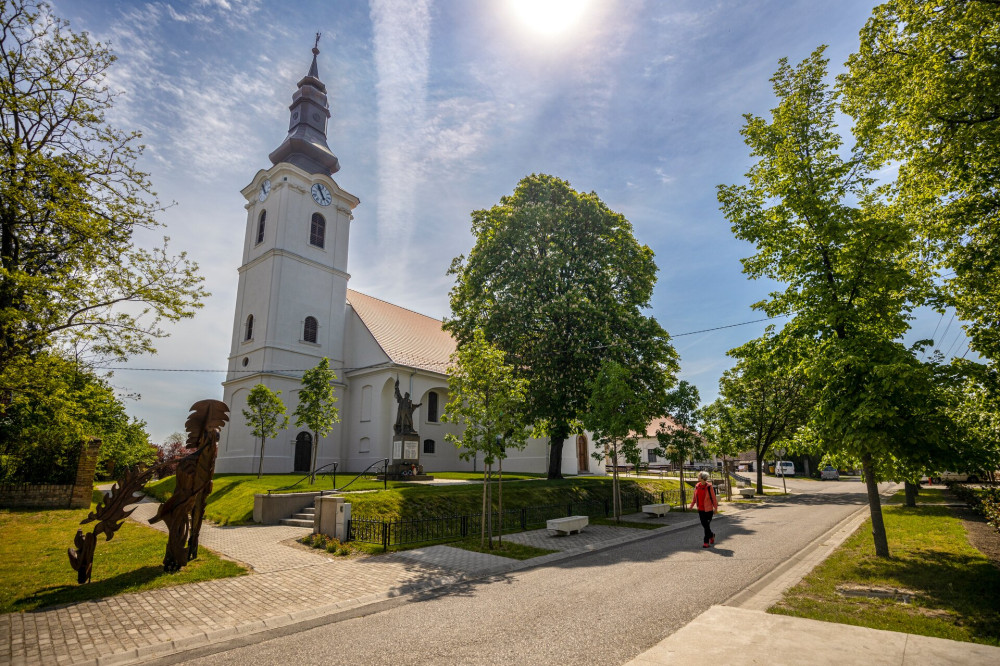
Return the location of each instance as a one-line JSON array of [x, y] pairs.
[[747, 492], [567, 525], [656, 509]]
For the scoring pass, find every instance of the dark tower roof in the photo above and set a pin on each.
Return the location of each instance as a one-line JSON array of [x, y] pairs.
[[305, 146]]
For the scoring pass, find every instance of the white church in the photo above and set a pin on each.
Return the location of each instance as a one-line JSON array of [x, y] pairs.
[[293, 308]]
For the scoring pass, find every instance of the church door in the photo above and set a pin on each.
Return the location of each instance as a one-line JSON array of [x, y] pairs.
[[303, 452], [582, 457]]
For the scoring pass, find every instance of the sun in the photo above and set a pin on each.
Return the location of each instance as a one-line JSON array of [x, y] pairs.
[[549, 17]]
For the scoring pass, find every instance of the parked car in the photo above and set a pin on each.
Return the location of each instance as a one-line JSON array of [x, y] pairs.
[[954, 477], [829, 473]]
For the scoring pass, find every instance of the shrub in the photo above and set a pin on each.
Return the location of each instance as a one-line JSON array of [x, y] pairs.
[[984, 501]]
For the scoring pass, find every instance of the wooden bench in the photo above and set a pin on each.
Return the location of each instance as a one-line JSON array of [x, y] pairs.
[[567, 525], [656, 509]]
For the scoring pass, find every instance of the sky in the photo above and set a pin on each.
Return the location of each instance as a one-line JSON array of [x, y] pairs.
[[439, 108]]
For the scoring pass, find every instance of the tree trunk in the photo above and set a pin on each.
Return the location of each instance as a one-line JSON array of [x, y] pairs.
[[684, 504], [875, 508], [482, 518], [760, 474], [555, 457], [500, 506], [912, 490], [260, 466], [615, 491], [312, 475]]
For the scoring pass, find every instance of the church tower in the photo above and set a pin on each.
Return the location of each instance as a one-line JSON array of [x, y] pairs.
[[291, 298]]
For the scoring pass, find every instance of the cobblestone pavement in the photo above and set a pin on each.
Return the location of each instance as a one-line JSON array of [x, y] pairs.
[[258, 546], [289, 586]]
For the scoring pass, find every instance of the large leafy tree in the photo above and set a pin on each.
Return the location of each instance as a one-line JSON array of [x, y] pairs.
[[265, 414], [850, 261], [71, 199], [317, 408], [924, 89], [620, 407], [57, 406], [557, 281], [488, 400]]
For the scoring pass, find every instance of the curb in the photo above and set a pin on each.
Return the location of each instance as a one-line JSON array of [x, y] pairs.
[[766, 591], [248, 633]]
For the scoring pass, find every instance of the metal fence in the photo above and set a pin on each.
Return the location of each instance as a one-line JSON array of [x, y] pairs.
[[388, 533]]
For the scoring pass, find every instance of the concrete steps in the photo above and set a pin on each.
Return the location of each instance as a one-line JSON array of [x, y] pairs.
[[303, 519]]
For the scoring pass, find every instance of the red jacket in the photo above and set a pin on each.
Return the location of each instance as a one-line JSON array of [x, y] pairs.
[[704, 497]]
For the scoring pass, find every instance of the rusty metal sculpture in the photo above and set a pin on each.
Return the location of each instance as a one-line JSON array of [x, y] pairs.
[[110, 514], [182, 513]]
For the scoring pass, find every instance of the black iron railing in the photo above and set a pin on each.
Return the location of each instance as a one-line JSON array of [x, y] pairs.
[[388, 533], [371, 473], [325, 470]]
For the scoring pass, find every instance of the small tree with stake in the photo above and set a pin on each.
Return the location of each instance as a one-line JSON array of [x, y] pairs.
[[265, 416], [316, 409], [620, 407], [488, 400], [681, 442]]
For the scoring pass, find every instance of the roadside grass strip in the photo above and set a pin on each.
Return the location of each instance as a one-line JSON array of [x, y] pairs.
[[925, 496], [935, 583], [509, 549], [36, 571]]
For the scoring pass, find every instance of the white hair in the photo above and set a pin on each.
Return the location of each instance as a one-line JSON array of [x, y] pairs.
[[703, 475]]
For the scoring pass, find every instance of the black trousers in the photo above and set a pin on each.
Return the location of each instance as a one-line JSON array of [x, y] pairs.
[[706, 521]]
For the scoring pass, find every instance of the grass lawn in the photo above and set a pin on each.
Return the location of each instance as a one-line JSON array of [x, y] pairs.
[[926, 496], [955, 587], [36, 571], [231, 501]]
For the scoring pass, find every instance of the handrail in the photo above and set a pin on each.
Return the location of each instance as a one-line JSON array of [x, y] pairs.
[[315, 473], [385, 474]]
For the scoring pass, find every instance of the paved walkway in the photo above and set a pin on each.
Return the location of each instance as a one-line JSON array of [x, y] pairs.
[[287, 586], [727, 635]]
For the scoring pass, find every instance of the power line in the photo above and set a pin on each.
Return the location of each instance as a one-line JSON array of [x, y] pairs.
[[719, 328]]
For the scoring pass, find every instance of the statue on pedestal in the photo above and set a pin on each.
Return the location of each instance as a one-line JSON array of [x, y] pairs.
[[404, 413]]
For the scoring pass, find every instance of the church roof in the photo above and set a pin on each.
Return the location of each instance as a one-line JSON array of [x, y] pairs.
[[407, 337], [654, 425]]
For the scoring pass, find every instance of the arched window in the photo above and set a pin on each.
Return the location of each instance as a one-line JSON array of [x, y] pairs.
[[249, 332], [432, 407], [428, 446], [317, 230], [309, 329], [260, 227]]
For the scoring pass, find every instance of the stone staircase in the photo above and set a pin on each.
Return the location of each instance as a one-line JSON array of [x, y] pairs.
[[302, 519]]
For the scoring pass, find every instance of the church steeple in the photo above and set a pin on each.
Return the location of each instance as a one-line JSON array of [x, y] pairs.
[[305, 146]]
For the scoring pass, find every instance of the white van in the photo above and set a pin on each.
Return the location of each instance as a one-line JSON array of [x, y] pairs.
[[784, 468]]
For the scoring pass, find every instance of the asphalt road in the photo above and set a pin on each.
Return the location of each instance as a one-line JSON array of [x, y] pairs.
[[601, 608]]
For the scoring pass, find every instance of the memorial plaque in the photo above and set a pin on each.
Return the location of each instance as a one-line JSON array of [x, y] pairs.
[[411, 450], [397, 449]]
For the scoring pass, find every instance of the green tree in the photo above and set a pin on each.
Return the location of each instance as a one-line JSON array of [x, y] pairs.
[[620, 408], [763, 400], [924, 89], [851, 264], [265, 415], [52, 405], [488, 400], [680, 440], [558, 282], [71, 199], [317, 409]]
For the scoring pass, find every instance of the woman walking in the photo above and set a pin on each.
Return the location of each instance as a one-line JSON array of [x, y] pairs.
[[708, 504]]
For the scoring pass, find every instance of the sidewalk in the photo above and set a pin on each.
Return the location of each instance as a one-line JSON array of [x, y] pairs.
[[287, 586], [730, 635]]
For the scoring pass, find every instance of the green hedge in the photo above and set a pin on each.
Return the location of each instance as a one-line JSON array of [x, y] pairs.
[[985, 501]]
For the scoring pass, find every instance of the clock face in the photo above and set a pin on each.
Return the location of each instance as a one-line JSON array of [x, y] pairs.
[[265, 189], [321, 195]]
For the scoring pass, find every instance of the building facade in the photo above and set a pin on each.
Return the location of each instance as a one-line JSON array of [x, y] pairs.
[[294, 307]]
